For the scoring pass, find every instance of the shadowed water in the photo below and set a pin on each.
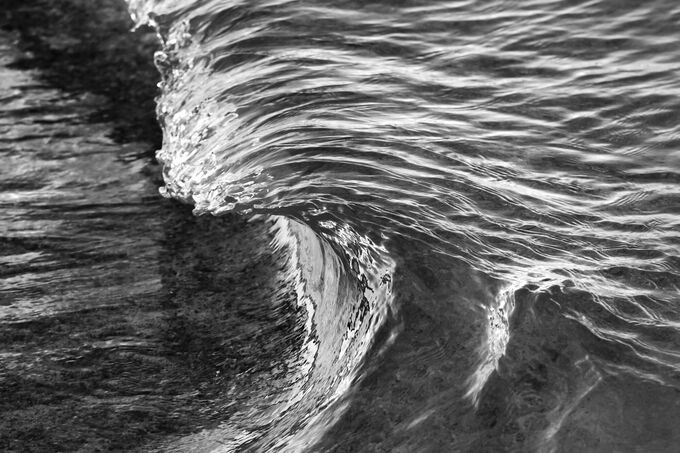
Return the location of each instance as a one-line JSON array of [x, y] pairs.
[[477, 205]]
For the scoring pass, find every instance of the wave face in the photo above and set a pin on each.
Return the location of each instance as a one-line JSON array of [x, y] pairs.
[[480, 202]]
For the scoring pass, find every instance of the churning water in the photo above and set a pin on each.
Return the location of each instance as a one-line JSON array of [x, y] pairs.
[[475, 207]]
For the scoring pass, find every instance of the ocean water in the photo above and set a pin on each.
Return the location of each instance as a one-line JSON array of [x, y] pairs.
[[460, 231]]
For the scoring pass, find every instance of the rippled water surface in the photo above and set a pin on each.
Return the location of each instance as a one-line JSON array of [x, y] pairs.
[[474, 208]]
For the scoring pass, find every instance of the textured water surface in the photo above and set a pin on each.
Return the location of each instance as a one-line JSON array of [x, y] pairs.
[[518, 163], [476, 206]]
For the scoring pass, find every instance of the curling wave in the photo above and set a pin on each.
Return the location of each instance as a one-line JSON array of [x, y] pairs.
[[515, 191]]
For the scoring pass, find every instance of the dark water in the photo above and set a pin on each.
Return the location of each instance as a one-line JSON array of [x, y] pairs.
[[126, 322], [466, 231]]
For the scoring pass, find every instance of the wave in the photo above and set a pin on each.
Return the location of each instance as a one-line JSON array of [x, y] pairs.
[[470, 170], [342, 278]]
